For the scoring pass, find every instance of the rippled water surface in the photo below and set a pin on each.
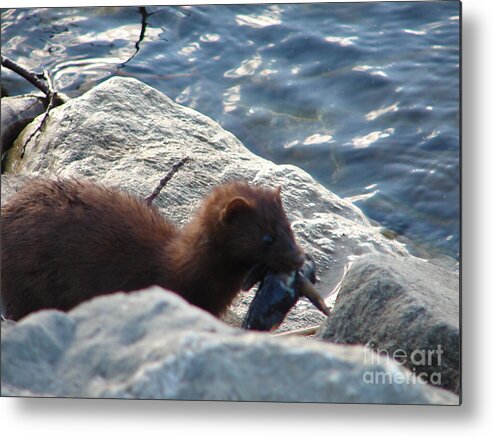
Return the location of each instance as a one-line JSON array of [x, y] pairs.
[[364, 96]]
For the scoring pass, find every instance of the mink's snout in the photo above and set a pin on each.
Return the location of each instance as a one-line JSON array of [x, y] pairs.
[[299, 259], [293, 258], [297, 256]]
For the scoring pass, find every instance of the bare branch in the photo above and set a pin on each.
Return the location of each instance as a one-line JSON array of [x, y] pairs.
[[30, 77], [174, 168]]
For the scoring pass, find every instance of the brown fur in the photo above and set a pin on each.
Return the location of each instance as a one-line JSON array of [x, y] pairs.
[[64, 242]]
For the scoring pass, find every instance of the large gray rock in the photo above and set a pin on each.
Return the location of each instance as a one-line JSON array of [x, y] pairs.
[[408, 308], [152, 344], [126, 134]]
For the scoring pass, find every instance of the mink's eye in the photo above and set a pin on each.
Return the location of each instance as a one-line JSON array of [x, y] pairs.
[[268, 239]]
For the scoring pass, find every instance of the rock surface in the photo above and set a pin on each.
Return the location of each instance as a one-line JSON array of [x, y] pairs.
[[406, 308], [126, 134], [152, 344], [16, 113]]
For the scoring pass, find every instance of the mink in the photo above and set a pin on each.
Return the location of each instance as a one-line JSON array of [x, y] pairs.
[[66, 241]]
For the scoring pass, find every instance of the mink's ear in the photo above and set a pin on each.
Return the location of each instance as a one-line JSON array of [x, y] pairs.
[[234, 208]]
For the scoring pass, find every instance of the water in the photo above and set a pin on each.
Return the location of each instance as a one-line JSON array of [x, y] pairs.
[[363, 96]]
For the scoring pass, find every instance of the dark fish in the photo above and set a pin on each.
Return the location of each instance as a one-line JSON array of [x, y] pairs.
[[277, 294]]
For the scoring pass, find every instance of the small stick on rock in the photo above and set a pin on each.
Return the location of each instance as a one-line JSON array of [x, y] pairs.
[[174, 168], [299, 332]]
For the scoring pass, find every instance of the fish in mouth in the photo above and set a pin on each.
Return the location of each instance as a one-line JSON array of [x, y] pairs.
[[278, 292]]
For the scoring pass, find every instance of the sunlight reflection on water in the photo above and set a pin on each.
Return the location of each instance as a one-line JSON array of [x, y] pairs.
[[359, 95]]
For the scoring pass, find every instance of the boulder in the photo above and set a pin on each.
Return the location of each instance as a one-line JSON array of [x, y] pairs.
[[151, 344], [125, 134], [405, 308]]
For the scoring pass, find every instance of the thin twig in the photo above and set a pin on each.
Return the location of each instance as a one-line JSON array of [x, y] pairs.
[[166, 179], [51, 104], [299, 332], [30, 77]]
